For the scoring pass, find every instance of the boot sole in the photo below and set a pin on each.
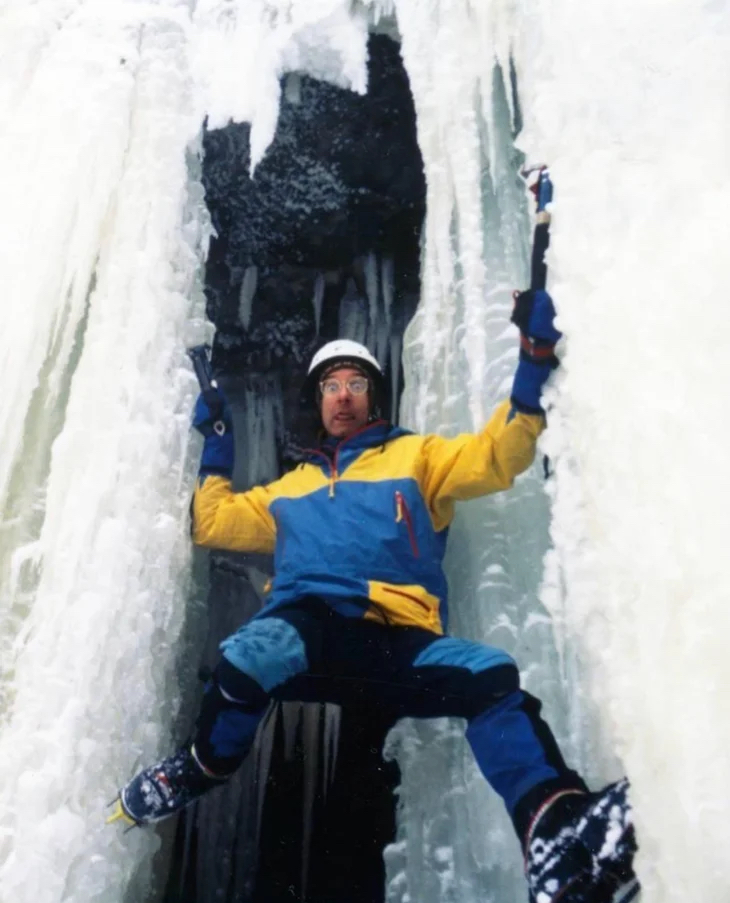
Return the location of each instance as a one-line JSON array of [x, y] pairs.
[[585, 890]]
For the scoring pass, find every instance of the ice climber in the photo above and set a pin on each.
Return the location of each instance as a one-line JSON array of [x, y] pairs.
[[357, 609]]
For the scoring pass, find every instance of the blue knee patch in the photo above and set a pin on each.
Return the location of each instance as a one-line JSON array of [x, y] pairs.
[[270, 651], [457, 653]]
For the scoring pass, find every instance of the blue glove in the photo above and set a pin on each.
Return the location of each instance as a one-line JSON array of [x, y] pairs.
[[534, 314], [212, 418]]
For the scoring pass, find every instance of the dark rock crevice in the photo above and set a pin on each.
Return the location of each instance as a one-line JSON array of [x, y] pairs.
[[333, 213], [343, 179]]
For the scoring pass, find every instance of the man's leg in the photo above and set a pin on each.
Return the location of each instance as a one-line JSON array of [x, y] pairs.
[[257, 659], [262, 655], [577, 845], [513, 746], [519, 756], [425, 675]]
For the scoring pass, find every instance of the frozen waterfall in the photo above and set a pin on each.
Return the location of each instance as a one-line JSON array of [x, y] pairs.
[[607, 581]]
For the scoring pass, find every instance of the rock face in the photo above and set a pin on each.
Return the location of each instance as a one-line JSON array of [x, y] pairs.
[[323, 241], [343, 178]]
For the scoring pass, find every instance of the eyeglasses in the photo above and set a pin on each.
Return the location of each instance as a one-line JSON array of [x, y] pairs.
[[356, 385]]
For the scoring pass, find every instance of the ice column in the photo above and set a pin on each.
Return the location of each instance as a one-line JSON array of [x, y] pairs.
[[100, 265], [637, 133], [455, 841]]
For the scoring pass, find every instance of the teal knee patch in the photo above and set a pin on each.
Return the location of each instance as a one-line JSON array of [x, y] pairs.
[[456, 653], [269, 650]]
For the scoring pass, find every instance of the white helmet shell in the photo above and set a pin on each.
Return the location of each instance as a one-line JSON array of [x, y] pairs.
[[347, 352], [343, 349]]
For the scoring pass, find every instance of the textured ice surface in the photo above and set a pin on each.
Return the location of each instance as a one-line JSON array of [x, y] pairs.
[[103, 232], [635, 580], [460, 354], [103, 235]]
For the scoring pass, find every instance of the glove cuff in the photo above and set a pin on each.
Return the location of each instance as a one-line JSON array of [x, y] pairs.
[[218, 455], [530, 377], [538, 350]]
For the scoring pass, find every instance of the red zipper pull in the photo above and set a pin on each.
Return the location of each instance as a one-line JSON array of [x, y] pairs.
[[402, 513]]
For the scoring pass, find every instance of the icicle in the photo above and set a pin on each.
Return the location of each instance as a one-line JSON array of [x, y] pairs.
[[332, 719], [291, 716], [187, 862], [259, 417], [396, 348], [293, 88], [320, 743], [318, 300], [371, 289], [382, 338], [495, 28], [387, 280], [248, 290], [381, 343], [263, 749], [353, 319], [241, 48], [311, 740]]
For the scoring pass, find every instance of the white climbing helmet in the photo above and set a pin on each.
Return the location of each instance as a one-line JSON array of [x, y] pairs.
[[343, 352]]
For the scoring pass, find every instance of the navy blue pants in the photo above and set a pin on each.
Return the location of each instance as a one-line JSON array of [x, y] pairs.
[[310, 653]]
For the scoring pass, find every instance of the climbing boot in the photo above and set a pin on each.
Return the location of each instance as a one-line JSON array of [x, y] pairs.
[[580, 848], [163, 789]]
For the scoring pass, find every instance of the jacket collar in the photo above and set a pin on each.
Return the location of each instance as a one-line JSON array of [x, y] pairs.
[[371, 435]]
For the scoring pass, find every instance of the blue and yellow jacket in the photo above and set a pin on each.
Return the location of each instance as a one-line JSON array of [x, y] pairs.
[[363, 523]]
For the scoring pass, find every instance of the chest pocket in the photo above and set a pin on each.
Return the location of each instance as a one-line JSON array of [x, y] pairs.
[[403, 516]]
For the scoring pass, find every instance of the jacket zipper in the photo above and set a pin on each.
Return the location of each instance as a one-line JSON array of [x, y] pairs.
[[403, 514], [333, 473], [332, 462]]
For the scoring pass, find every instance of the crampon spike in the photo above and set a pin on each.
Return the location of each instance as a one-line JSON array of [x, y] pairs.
[[118, 814]]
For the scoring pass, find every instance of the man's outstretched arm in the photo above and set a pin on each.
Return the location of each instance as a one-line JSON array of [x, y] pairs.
[[471, 465], [222, 518]]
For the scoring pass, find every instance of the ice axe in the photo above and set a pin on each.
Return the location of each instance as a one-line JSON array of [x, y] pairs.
[[199, 355], [538, 181], [543, 191]]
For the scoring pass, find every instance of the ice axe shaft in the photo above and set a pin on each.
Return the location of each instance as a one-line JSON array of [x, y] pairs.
[[543, 191], [198, 354]]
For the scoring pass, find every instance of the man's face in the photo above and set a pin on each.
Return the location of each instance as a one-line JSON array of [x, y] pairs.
[[343, 413]]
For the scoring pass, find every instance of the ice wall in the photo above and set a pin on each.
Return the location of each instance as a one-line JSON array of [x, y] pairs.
[[103, 236], [635, 125], [628, 104]]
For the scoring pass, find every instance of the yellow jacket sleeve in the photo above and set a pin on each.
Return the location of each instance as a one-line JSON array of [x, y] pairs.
[[475, 464], [234, 521]]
